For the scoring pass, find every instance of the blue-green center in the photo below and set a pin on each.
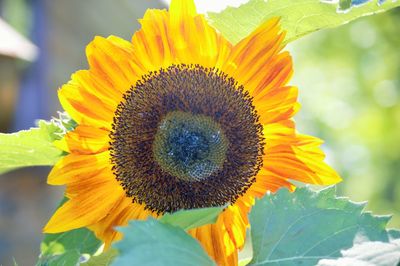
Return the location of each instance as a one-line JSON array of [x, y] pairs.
[[188, 146]]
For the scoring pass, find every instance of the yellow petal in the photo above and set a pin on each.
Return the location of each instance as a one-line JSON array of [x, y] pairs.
[[300, 160], [84, 140], [113, 60], [216, 241], [181, 10], [82, 211], [256, 61], [73, 168], [79, 105], [122, 212], [277, 104]]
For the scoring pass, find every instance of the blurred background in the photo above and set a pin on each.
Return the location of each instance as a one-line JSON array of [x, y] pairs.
[[349, 80]]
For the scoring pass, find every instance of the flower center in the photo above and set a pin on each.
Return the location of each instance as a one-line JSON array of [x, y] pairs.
[[186, 137], [190, 147]]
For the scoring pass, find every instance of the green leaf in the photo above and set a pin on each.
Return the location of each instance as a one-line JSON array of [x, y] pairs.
[[368, 253], [394, 234], [304, 227], [187, 219], [31, 147], [68, 246], [81, 239], [298, 17], [345, 4], [70, 257], [152, 242], [104, 259], [64, 122]]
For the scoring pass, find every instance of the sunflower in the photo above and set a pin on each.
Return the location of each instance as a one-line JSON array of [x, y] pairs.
[[179, 118]]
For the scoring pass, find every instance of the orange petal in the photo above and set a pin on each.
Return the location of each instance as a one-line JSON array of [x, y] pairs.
[[113, 60], [85, 108], [236, 224], [277, 104], [302, 160], [152, 42], [181, 12], [122, 212], [168, 38], [255, 61], [274, 74], [85, 184], [84, 140], [203, 235], [268, 181], [215, 239], [74, 167], [92, 96], [279, 132], [83, 210]]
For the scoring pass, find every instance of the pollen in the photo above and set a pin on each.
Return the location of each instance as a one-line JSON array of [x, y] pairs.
[[190, 147]]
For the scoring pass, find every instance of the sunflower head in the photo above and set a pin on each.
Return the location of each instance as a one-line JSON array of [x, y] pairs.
[[179, 118], [186, 137]]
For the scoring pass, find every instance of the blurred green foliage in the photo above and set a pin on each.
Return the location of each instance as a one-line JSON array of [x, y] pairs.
[[349, 80], [18, 14]]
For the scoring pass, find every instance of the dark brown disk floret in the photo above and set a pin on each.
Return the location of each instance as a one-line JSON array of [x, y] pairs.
[[186, 137]]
